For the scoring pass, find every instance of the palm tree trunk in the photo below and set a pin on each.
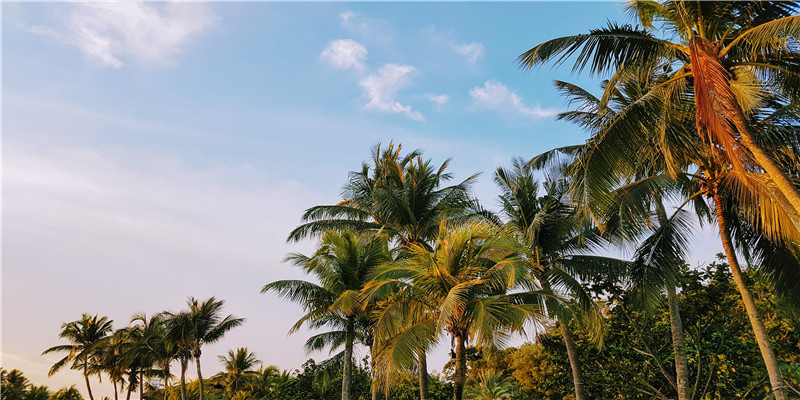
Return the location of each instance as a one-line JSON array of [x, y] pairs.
[[572, 354], [86, 377], [199, 373], [781, 179], [349, 338], [130, 389], [678, 345], [116, 395], [374, 385], [166, 381], [141, 385], [775, 378], [423, 376], [461, 369], [184, 366]]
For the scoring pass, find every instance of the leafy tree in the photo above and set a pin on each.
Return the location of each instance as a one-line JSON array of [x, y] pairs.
[[403, 196], [465, 277], [342, 264], [551, 238], [238, 366], [13, 384], [67, 393], [730, 56], [85, 336]]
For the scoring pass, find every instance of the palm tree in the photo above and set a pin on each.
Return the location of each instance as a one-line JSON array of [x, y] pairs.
[[731, 55], [552, 241], [491, 386], [144, 335], [13, 384], [238, 365], [465, 277], [67, 393], [85, 336], [206, 325], [655, 268], [402, 196], [110, 359], [177, 344], [342, 264], [763, 227]]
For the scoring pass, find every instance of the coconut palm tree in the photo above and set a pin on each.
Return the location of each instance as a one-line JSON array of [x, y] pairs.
[[206, 325], [342, 264], [67, 393], [694, 172], [465, 277], [730, 56], [552, 242], [402, 196], [85, 336], [177, 344], [238, 366], [490, 386]]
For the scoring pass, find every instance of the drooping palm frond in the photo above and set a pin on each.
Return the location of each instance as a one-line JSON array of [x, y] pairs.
[[603, 49]]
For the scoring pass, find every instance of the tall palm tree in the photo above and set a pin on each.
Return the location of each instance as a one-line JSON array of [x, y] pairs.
[[465, 277], [144, 335], [85, 336], [655, 268], [695, 172], [342, 264], [554, 245], [207, 325], [237, 365], [403, 196], [177, 344], [731, 55]]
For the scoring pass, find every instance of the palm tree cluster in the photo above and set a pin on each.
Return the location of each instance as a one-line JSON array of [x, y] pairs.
[[697, 119], [700, 109], [405, 261], [146, 349]]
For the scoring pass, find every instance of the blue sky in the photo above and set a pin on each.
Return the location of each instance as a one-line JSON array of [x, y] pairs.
[[155, 151]]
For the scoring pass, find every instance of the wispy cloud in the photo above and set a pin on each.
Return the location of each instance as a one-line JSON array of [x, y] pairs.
[[367, 28], [438, 99], [494, 95], [381, 89], [153, 33], [472, 51], [345, 54]]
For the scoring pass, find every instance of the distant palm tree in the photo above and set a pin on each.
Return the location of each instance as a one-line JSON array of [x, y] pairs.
[[343, 264], [490, 386], [85, 336], [38, 393], [67, 393], [178, 344], [207, 325], [13, 384], [238, 365]]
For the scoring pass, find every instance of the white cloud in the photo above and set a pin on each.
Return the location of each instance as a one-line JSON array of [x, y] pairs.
[[438, 99], [473, 51], [495, 96], [382, 87], [148, 32], [344, 54], [370, 29]]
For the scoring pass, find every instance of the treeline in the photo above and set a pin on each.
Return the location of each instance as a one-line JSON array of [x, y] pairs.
[[634, 362]]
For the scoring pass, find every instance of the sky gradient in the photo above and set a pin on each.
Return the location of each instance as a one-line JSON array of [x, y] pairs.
[[155, 151]]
